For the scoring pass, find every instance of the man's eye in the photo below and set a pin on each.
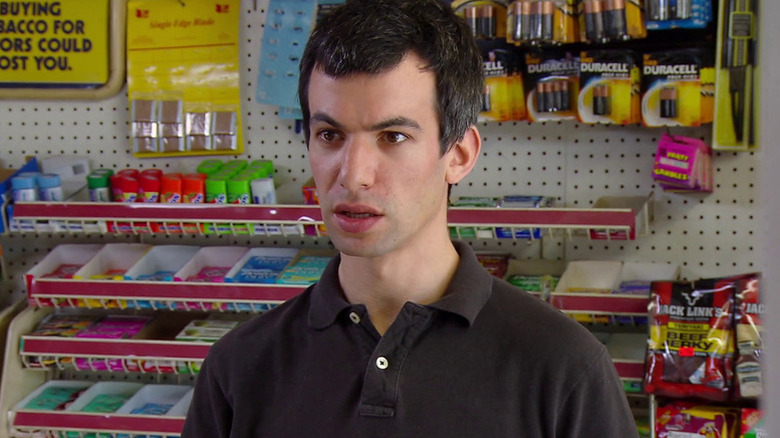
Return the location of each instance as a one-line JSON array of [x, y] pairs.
[[395, 137], [327, 135]]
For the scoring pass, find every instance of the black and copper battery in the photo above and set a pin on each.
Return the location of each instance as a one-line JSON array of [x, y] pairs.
[[594, 20], [601, 100], [535, 28], [615, 19], [486, 99], [470, 15], [547, 19], [564, 93], [668, 102], [486, 22], [541, 98]]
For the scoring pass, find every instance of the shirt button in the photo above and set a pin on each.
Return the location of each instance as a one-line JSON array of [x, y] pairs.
[[381, 363], [354, 317]]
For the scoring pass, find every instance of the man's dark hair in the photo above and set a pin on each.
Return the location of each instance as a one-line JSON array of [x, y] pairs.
[[372, 36]]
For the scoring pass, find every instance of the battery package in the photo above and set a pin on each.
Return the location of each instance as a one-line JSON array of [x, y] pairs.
[[677, 14], [487, 19], [604, 21], [542, 22], [678, 88], [609, 87], [552, 84], [502, 92]]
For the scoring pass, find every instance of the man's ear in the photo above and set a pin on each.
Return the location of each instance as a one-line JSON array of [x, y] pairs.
[[463, 155]]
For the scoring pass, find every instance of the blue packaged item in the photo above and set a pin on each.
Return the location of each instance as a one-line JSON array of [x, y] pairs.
[[157, 276], [261, 269], [153, 409]]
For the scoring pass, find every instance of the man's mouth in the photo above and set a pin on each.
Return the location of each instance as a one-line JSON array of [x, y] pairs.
[[353, 215]]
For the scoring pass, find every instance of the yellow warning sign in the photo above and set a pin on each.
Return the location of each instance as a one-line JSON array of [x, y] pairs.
[[54, 42]]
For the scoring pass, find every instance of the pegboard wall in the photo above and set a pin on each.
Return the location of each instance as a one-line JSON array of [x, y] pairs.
[[706, 235]]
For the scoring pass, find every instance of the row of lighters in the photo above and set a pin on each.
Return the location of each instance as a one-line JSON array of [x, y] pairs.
[[232, 182]]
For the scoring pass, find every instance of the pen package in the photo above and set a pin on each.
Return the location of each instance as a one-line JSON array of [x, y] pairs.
[[736, 77], [677, 88], [604, 21], [502, 92], [542, 22], [486, 18], [609, 87], [552, 84], [677, 14]]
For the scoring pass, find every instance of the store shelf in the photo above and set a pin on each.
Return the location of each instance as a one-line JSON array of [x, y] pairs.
[[45, 292], [600, 304], [60, 346], [29, 421], [631, 216], [630, 369]]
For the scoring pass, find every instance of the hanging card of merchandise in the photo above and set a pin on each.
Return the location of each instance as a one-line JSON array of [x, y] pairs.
[[183, 78], [65, 49], [736, 76]]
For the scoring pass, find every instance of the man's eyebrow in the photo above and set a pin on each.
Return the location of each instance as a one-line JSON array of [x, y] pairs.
[[395, 121], [324, 118], [384, 124]]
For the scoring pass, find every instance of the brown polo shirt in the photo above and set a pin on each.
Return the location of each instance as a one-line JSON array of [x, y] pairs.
[[486, 360]]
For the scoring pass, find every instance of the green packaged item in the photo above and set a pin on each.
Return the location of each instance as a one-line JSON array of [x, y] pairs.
[[55, 398], [236, 165], [239, 190], [265, 165], [216, 190], [106, 403], [209, 166]]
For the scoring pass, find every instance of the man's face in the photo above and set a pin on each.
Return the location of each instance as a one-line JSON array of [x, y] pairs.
[[375, 156]]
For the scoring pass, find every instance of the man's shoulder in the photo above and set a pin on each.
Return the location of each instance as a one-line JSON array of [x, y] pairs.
[[530, 319]]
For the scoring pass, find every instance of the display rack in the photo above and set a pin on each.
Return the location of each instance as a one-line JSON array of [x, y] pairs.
[[139, 218]]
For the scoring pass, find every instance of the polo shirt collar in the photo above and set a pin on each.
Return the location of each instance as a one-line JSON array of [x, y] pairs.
[[465, 296]]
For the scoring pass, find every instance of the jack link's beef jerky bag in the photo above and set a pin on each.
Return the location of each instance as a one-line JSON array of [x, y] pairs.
[[691, 343], [749, 325]]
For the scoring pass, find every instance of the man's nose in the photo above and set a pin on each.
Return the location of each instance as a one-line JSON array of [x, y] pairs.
[[358, 165]]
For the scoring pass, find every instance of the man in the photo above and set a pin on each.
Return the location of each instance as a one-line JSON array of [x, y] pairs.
[[405, 335]]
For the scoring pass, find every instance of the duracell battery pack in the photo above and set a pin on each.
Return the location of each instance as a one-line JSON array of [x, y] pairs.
[[609, 87], [677, 87], [552, 79]]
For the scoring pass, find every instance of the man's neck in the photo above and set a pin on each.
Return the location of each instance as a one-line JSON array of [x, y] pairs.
[[384, 284]]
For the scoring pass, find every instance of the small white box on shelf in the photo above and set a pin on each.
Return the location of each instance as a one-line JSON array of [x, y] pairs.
[[536, 268], [127, 389], [181, 407], [154, 399], [261, 265], [648, 271], [161, 262], [64, 260], [220, 258], [113, 260], [589, 276]]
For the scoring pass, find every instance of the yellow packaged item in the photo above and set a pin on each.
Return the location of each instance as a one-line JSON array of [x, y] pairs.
[[183, 78]]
